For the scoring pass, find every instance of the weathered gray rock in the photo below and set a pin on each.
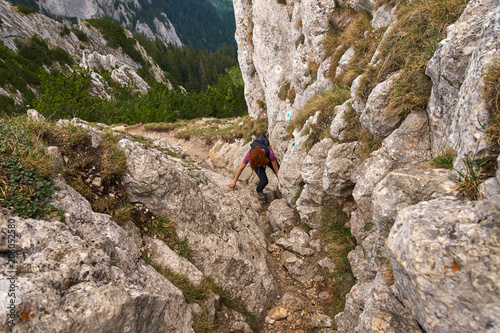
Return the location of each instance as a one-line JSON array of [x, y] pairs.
[[297, 242], [232, 321], [489, 188], [328, 264], [291, 182], [375, 116], [355, 303], [34, 114], [445, 262], [383, 16], [344, 61], [456, 108], [221, 224], [339, 124], [406, 187], [313, 168], [281, 216], [383, 312], [408, 145], [340, 164], [299, 269], [86, 275], [160, 254]]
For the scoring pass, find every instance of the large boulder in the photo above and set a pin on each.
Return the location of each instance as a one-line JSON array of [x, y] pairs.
[[406, 187], [221, 224], [457, 111], [83, 275], [445, 258], [376, 116], [340, 164]]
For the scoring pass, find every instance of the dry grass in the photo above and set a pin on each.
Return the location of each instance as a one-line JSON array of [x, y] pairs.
[[350, 29], [324, 102], [419, 27], [491, 95], [160, 127], [226, 129]]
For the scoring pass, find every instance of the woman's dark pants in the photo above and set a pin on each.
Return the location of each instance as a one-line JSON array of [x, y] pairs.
[[261, 172]]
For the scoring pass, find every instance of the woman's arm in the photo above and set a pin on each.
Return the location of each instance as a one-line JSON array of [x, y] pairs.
[[237, 175]]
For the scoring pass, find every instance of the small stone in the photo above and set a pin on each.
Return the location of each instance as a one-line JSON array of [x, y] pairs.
[[97, 182], [324, 295], [277, 313]]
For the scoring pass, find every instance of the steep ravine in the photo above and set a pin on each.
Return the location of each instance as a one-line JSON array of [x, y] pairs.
[[296, 260]]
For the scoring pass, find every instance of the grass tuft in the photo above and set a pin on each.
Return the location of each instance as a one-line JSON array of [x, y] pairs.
[[354, 132], [338, 243], [444, 159]]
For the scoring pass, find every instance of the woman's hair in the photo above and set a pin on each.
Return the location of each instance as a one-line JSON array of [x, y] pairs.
[[258, 158]]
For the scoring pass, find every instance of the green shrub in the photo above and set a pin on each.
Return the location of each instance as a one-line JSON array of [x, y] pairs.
[[80, 35], [25, 10], [65, 31]]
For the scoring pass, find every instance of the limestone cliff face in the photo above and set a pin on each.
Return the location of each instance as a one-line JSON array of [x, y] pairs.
[[121, 11], [390, 190], [276, 43]]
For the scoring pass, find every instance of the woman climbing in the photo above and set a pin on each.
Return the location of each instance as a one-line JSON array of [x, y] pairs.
[[259, 156]]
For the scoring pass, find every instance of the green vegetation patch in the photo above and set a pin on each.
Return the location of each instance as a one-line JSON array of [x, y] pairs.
[[325, 103], [25, 169], [114, 33], [25, 10], [444, 159], [338, 243]]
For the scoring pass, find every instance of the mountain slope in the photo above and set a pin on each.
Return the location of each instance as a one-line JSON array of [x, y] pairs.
[[191, 22]]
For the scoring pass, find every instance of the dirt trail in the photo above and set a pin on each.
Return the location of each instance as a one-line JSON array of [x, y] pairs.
[[196, 146]]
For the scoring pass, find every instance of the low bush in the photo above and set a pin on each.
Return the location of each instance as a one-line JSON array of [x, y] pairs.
[[25, 10]]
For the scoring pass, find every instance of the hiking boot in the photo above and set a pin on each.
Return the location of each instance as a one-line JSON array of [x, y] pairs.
[[261, 196]]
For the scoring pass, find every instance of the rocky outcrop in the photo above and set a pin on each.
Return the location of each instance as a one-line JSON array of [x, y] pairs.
[[443, 246], [393, 190], [222, 227], [84, 275], [121, 11], [457, 113]]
